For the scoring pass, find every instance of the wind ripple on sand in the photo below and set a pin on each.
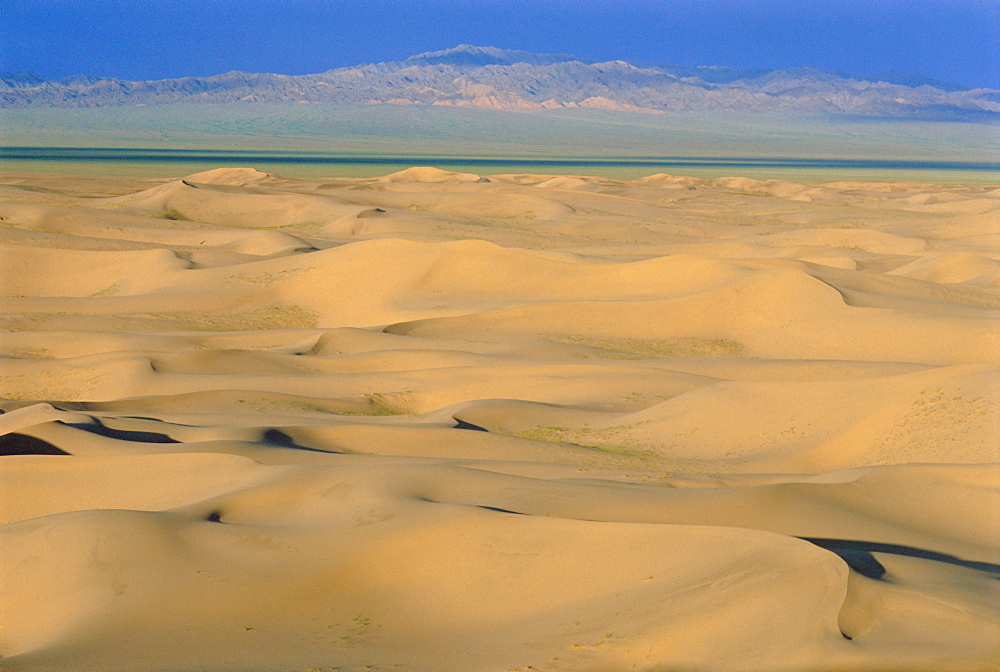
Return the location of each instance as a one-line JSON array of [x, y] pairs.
[[435, 421]]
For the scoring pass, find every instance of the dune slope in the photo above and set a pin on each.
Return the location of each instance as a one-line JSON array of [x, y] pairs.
[[439, 421]]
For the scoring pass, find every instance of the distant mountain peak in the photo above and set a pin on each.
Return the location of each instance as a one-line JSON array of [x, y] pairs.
[[469, 49], [912, 80], [509, 79], [472, 55]]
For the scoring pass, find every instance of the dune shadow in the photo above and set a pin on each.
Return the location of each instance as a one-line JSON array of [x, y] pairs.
[[858, 555], [402, 328], [462, 424], [121, 434], [22, 444], [275, 437], [862, 562], [279, 438], [499, 510]]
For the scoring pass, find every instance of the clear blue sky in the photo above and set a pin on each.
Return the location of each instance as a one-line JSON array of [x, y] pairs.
[[955, 40]]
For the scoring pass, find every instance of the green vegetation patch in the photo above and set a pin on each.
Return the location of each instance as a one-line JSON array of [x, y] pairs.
[[260, 319], [642, 348], [268, 278], [110, 290], [175, 215], [382, 404], [26, 353], [609, 440]]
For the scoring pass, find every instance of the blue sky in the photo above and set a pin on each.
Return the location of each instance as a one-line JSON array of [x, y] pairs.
[[954, 40]]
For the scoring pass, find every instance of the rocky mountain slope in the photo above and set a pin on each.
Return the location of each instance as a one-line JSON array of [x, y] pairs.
[[493, 78]]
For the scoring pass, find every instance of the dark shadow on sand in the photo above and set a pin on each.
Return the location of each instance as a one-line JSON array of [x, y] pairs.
[[858, 555], [275, 437], [121, 434], [22, 444], [462, 424]]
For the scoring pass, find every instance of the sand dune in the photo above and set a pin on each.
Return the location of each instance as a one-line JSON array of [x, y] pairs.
[[439, 421]]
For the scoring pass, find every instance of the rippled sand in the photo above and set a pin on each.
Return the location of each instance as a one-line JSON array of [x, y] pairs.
[[432, 421]]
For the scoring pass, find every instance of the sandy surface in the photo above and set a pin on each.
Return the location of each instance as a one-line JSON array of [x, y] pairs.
[[432, 421]]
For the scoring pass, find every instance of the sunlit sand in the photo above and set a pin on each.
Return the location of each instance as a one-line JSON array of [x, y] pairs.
[[438, 421]]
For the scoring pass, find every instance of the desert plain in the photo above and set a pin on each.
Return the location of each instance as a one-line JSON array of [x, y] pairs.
[[438, 421]]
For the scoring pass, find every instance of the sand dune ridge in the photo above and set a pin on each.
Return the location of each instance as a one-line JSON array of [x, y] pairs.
[[443, 421]]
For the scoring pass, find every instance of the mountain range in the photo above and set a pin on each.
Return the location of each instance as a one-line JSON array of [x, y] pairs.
[[487, 77]]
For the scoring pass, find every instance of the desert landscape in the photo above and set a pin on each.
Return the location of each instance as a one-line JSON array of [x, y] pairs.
[[437, 420]]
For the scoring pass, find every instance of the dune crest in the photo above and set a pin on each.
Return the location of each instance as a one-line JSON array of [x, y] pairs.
[[439, 421], [240, 177], [432, 175]]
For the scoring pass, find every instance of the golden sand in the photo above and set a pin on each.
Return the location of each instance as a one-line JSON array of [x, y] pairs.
[[432, 421]]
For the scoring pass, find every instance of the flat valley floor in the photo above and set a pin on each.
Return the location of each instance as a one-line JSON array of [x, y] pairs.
[[433, 421]]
